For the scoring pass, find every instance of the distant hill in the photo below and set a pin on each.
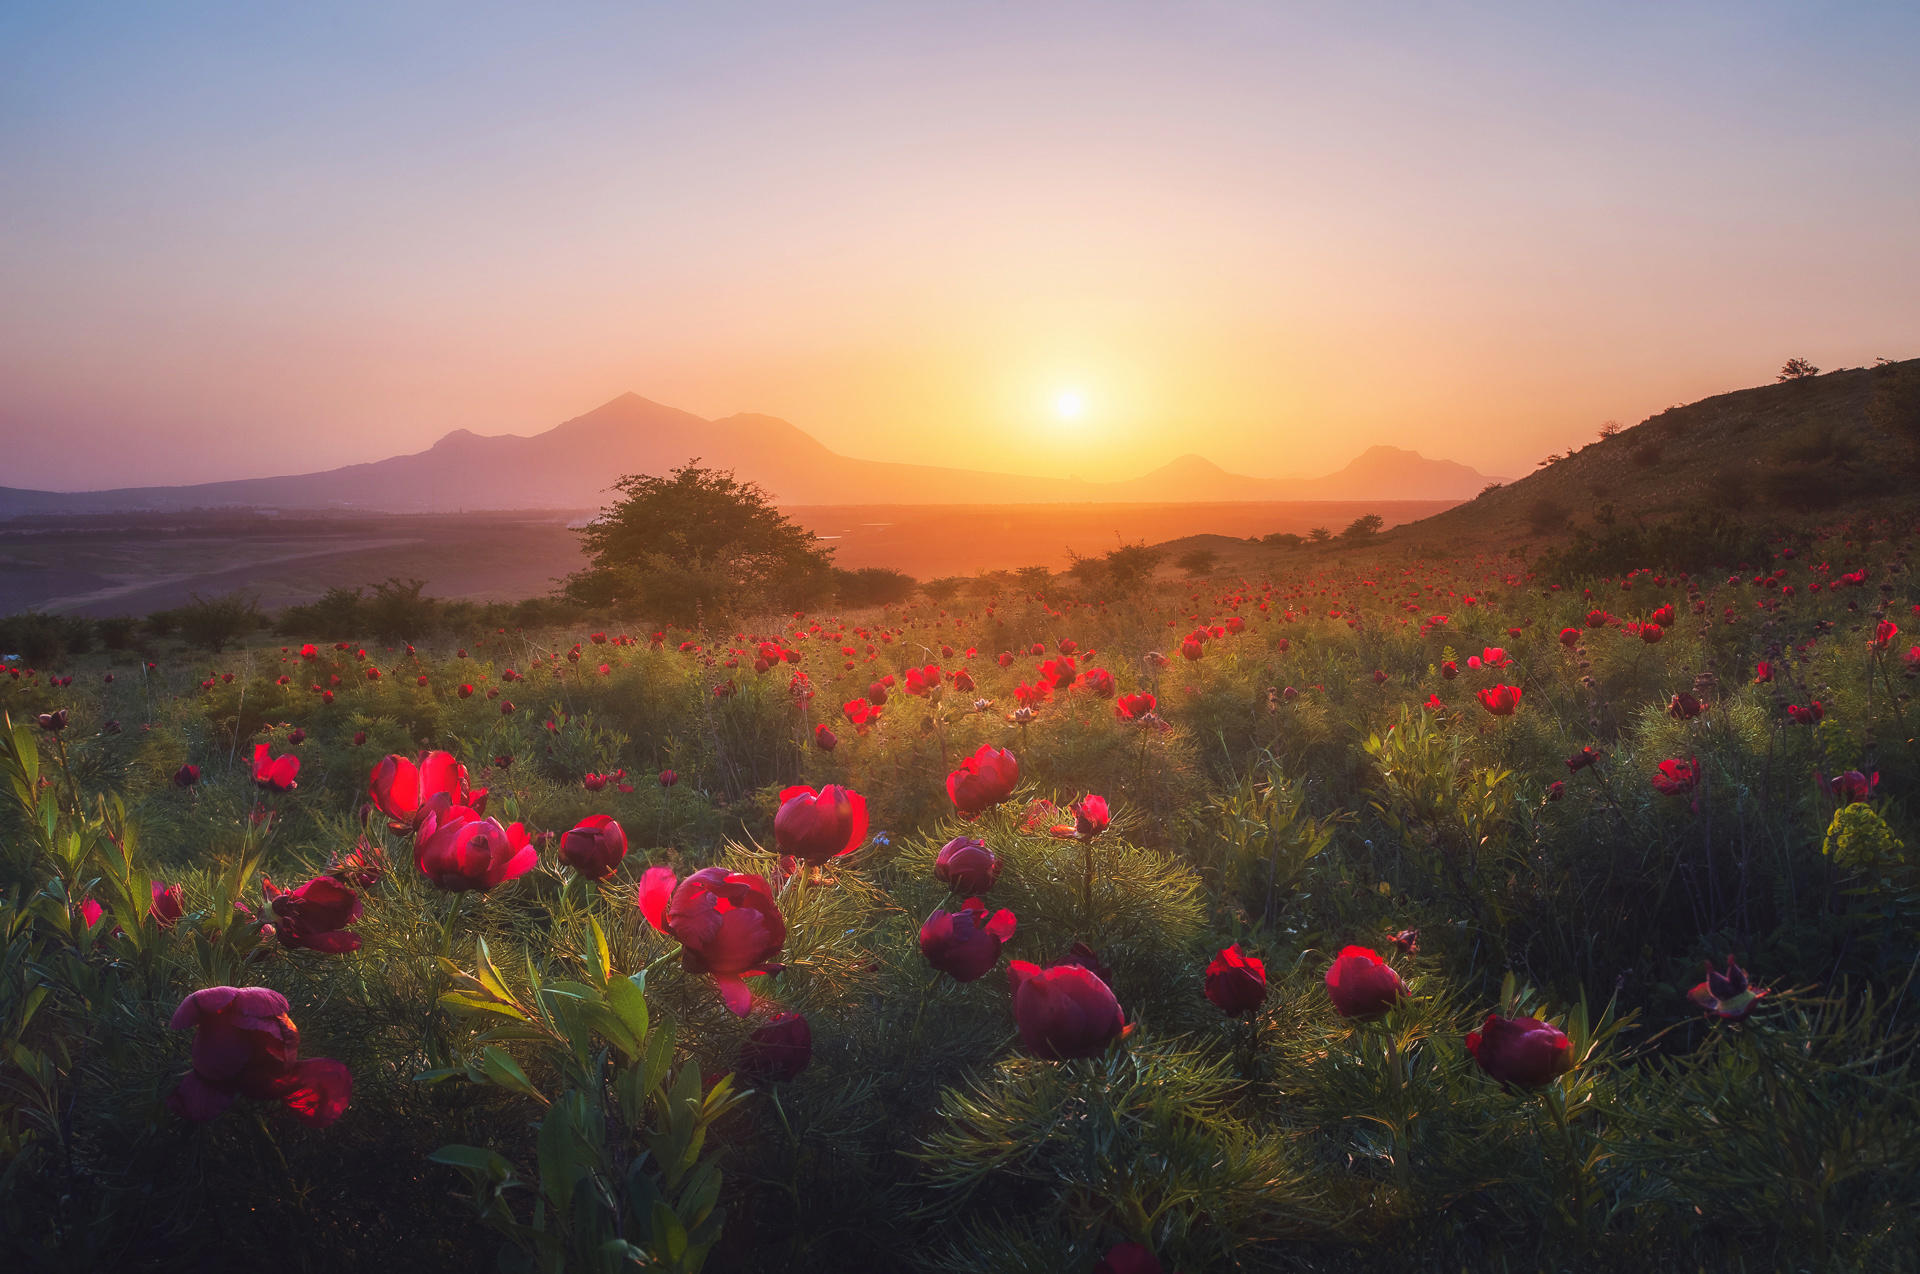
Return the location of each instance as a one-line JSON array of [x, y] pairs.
[[572, 465], [1767, 455]]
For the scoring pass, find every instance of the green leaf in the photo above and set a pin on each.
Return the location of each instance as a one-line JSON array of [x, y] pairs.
[[464, 1002], [501, 1069], [629, 1003], [602, 961], [473, 1159], [669, 1236], [489, 975]]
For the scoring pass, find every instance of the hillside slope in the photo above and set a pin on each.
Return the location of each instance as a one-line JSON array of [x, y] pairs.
[[1803, 448]]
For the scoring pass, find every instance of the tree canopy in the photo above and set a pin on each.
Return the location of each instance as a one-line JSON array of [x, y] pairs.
[[696, 545]]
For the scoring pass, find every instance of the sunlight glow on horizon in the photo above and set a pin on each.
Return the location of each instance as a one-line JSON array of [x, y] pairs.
[[1273, 235]]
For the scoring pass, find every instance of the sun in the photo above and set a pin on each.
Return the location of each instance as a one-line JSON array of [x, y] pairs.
[[1069, 404]]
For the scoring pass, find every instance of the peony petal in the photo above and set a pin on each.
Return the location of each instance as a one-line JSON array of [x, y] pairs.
[[734, 993], [197, 1100], [656, 887], [318, 1091]]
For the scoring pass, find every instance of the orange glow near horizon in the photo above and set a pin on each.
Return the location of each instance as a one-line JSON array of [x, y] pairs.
[[1269, 237]]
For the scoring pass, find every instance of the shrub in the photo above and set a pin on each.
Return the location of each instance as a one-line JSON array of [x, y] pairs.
[[212, 623], [1364, 527], [872, 586], [43, 639], [1546, 515], [1198, 562]]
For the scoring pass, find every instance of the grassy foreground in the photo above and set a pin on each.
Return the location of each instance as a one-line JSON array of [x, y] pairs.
[[1541, 799]]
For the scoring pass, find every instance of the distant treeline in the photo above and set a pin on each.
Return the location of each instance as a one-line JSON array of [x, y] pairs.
[[401, 610]]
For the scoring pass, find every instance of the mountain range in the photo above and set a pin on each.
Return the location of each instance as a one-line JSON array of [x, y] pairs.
[[573, 465]]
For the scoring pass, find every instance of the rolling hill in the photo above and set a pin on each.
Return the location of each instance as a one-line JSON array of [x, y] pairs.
[[572, 465]]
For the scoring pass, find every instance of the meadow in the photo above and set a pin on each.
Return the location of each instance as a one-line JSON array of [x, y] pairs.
[[1375, 913]]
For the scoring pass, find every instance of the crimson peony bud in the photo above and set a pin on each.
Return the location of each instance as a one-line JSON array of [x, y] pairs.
[[1362, 985], [966, 866], [1065, 1011], [1236, 982], [1521, 1050], [778, 1051], [594, 847]]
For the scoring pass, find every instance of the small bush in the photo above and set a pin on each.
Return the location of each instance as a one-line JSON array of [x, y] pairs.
[[872, 586]]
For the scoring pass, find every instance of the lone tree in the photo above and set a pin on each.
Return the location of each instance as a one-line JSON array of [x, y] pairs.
[[1131, 566], [1364, 527], [1797, 369], [698, 545]]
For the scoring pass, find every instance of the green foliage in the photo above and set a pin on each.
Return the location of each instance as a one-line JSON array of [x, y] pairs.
[[620, 1172], [568, 1089], [1142, 1143], [698, 545], [44, 639], [1198, 562], [212, 623], [1699, 540], [1260, 839], [1363, 528], [872, 586], [1130, 566]]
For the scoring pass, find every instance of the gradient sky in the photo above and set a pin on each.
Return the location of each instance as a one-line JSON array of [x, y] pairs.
[[259, 238]]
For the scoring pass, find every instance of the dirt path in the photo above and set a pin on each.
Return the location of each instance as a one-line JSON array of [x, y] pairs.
[[140, 585]]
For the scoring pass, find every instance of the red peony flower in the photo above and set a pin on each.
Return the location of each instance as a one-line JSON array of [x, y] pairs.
[[965, 944], [1500, 700], [245, 1045], [1129, 1258], [1677, 777], [965, 865], [1521, 1050], [316, 915], [1236, 982], [1582, 759], [983, 780], [404, 790], [815, 826], [726, 923], [778, 1051], [1065, 1011], [594, 846], [276, 772], [459, 850], [1362, 985]]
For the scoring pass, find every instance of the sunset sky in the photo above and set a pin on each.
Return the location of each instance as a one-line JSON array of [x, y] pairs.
[[259, 238]]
